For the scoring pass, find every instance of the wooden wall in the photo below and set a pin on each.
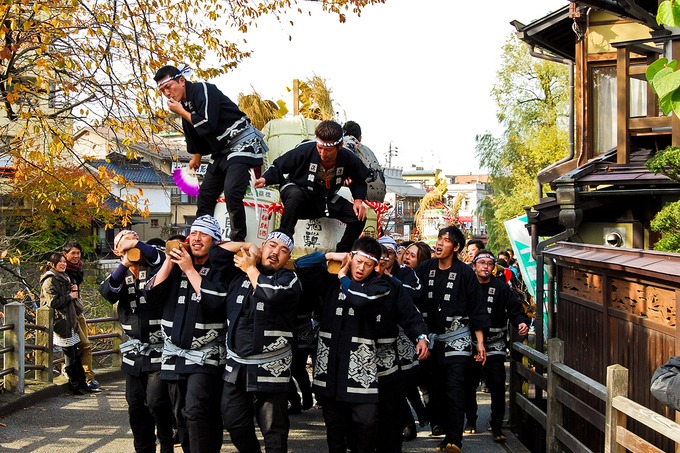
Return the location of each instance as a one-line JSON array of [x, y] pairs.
[[609, 313]]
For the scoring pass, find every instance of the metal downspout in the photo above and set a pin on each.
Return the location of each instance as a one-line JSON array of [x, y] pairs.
[[540, 262]]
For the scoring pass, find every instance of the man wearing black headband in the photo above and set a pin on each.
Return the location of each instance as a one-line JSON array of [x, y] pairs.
[[502, 304], [261, 301], [310, 176], [345, 378], [453, 308], [214, 125]]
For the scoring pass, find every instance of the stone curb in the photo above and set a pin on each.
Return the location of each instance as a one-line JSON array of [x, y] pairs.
[[11, 402]]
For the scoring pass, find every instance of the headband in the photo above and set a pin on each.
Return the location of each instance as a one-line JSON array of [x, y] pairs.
[[484, 255], [184, 71], [335, 143], [281, 236], [365, 255], [207, 224], [121, 235], [388, 242]]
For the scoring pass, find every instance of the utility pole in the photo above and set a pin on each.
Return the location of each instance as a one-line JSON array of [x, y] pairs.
[[393, 151]]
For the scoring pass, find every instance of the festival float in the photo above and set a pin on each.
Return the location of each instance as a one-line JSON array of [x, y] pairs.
[[264, 208]]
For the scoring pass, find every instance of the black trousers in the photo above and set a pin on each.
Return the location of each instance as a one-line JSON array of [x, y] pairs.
[[196, 405], [299, 203], [149, 412], [447, 398], [350, 426], [298, 369], [494, 376], [412, 395], [233, 179], [269, 409], [390, 426]]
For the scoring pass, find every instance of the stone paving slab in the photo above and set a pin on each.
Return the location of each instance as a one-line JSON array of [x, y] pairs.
[[59, 422]]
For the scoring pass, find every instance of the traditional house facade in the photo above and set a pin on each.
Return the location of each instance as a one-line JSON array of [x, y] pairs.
[[607, 296]]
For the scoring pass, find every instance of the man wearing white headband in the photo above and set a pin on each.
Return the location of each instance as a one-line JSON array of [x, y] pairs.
[[345, 378], [502, 305], [214, 125], [262, 296], [310, 176], [190, 287]]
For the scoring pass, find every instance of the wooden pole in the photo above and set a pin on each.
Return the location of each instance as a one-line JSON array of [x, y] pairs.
[[554, 410], [617, 385], [296, 97], [44, 318]]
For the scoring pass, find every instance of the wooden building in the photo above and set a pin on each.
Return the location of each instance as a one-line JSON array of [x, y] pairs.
[[609, 297]]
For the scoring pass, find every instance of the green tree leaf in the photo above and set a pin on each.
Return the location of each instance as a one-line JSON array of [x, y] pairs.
[[668, 13]]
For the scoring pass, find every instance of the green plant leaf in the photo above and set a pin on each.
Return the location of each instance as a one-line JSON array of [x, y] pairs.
[[675, 102], [666, 81], [669, 13], [654, 68]]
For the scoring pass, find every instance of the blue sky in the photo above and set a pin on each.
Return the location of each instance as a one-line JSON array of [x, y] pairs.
[[414, 74]]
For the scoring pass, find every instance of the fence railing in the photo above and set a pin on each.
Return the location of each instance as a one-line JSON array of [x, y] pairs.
[[614, 394], [17, 345]]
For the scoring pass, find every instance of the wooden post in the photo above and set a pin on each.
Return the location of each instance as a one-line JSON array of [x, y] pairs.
[[15, 313], [622, 105], [44, 318], [554, 410], [296, 97], [617, 385], [117, 358]]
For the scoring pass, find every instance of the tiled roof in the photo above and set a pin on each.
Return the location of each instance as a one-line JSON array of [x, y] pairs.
[[136, 171]]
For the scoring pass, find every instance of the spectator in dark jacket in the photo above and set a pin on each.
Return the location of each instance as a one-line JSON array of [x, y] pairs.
[[665, 384]]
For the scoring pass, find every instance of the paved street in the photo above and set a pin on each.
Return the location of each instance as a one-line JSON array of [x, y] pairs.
[[98, 423]]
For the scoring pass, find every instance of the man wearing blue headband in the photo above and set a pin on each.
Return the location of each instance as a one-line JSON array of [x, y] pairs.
[[190, 288], [310, 176]]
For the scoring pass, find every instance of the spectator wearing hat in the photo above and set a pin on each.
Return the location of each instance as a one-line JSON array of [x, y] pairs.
[[261, 300], [190, 288]]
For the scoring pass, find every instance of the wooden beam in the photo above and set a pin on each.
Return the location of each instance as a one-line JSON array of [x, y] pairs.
[[617, 385], [583, 410], [531, 409], [649, 121], [622, 106]]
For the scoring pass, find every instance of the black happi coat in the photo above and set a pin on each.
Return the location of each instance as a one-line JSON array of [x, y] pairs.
[[502, 304], [140, 320], [215, 121], [346, 366], [260, 327], [450, 300], [299, 166], [193, 322], [397, 315]]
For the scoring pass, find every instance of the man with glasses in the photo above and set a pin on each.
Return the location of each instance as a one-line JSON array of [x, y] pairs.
[[502, 305], [214, 125], [345, 378]]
